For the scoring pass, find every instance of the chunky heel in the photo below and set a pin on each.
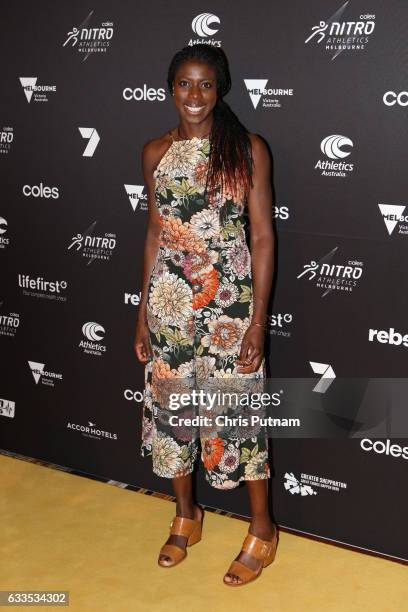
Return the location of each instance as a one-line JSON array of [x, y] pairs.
[[189, 528], [264, 550], [195, 536]]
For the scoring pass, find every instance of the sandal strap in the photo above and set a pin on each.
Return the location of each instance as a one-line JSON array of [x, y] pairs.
[[174, 552], [260, 549], [183, 526], [243, 572]]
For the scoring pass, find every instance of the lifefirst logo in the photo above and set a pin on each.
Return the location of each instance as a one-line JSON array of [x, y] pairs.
[[384, 447]]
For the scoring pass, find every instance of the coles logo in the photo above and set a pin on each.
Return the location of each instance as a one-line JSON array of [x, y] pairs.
[[147, 94], [384, 447], [40, 191], [391, 98]]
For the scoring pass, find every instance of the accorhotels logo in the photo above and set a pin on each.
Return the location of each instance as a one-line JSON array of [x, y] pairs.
[[384, 447], [388, 337]]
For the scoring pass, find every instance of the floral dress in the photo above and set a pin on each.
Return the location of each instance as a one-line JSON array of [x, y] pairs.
[[199, 306]]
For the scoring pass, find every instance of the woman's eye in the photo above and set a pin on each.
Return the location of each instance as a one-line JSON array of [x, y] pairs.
[[207, 85], [183, 83]]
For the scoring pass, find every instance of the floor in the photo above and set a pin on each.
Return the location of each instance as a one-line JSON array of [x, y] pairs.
[[61, 531]]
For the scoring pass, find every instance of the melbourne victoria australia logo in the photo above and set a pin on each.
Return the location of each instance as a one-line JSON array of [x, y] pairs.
[[394, 217], [93, 247], [88, 40], [271, 96], [137, 198], [93, 332], [331, 277], [92, 430], [6, 139], [205, 26], [333, 148], [41, 375], [40, 92], [334, 35], [42, 288], [304, 485]]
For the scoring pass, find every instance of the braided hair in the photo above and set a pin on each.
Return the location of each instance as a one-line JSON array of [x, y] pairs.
[[230, 159]]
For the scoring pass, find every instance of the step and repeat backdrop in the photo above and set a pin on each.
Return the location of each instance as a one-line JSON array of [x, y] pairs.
[[325, 84]]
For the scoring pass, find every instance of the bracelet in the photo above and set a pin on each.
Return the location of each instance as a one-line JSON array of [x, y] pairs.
[[258, 324]]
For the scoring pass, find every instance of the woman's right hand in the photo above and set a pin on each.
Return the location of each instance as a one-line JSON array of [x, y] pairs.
[[141, 345]]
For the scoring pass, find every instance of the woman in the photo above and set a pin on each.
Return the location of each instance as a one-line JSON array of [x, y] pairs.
[[204, 297]]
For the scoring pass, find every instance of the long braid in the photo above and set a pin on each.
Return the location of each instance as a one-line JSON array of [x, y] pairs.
[[230, 158]]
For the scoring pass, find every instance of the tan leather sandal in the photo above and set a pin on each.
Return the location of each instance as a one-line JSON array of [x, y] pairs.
[[189, 528], [263, 550]]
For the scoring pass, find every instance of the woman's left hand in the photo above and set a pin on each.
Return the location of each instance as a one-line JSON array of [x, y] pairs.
[[252, 350]]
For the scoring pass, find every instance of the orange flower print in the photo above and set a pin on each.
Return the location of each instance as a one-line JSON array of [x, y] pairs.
[[178, 236], [213, 450], [205, 288]]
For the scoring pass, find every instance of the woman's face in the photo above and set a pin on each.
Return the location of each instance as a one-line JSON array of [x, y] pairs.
[[195, 91]]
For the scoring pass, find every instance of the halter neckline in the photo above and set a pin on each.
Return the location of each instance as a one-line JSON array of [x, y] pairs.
[[187, 139]]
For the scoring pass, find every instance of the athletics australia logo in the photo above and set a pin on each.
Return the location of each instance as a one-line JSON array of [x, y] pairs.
[[333, 277], [136, 196], [342, 35], [332, 147], [201, 25]]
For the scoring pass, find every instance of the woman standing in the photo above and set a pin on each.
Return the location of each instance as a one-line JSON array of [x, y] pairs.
[[204, 297]]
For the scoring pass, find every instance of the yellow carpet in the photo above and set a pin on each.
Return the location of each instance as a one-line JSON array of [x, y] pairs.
[[100, 542]]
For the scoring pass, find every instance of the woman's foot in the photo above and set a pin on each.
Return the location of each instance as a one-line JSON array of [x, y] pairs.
[[264, 529], [195, 512]]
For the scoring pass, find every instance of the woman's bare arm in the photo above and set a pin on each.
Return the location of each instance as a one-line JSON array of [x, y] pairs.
[[262, 254], [150, 156]]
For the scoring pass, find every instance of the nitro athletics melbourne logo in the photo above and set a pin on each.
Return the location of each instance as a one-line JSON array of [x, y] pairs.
[[9, 324], [88, 40], [6, 139], [333, 277], [94, 247], [335, 36]]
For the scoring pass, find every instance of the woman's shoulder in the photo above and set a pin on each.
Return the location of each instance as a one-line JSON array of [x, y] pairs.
[[257, 141], [260, 150], [153, 150]]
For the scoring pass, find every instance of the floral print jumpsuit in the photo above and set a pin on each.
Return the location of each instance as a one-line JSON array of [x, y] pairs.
[[199, 306]]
